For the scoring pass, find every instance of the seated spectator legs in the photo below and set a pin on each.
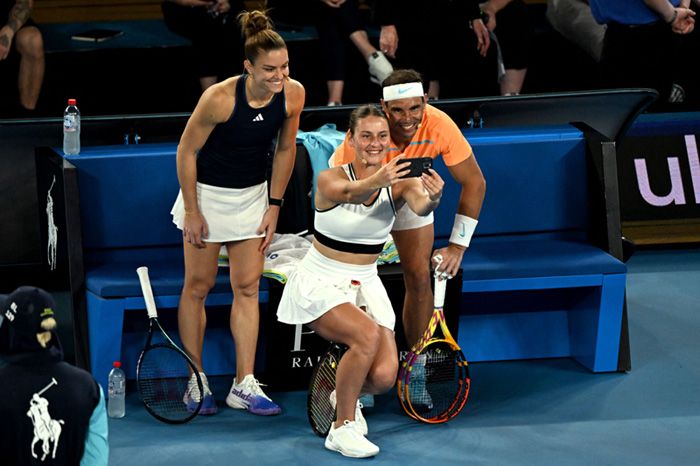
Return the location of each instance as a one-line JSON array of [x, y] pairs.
[[638, 57], [412, 40], [512, 81], [19, 34], [30, 46], [573, 20], [639, 44], [335, 24], [334, 49], [434, 39], [214, 33], [513, 28]]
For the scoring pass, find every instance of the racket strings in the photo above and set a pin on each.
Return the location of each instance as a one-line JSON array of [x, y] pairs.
[[321, 412], [436, 382], [163, 377]]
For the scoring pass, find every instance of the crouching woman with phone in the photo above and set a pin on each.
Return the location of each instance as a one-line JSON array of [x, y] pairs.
[[336, 289]]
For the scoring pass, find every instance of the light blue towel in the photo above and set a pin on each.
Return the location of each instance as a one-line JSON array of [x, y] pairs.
[[320, 144]]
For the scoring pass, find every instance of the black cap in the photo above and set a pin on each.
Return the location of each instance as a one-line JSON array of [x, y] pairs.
[[25, 313]]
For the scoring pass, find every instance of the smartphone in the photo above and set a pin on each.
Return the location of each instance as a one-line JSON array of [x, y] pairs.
[[418, 166]]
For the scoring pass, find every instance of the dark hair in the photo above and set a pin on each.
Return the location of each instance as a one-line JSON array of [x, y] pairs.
[[402, 77], [260, 35], [362, 112]]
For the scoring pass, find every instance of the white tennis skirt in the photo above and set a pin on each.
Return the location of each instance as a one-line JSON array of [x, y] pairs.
[[231, 214], [319, 284], [406, 219]]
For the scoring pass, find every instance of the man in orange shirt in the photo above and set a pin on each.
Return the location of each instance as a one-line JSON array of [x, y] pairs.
[[421, 130]]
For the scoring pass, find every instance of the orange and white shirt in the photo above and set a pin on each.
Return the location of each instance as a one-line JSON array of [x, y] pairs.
[[437, 136]]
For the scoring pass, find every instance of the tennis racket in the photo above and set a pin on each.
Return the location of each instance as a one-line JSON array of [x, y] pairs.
[[319, 409], [433, 383], [164, 370]]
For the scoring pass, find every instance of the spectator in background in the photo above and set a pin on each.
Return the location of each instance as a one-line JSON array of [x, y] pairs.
[[417, 41], [336, 21], [19, 34], [49, 410], [414, 34], [511, 30], [686, 80], [216, 38], [639, 45], [574, 20]]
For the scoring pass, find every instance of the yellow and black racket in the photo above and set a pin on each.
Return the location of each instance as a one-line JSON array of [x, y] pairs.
[[433, 383], [319, 409]]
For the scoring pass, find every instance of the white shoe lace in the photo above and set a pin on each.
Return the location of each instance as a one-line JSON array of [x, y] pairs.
[[253, 385], [193, 389]]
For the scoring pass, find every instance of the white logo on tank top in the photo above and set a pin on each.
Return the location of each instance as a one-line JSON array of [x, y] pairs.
[[258, 118]]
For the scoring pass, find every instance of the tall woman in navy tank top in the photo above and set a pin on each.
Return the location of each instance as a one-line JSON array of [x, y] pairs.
[[336, 291], [223, 199]]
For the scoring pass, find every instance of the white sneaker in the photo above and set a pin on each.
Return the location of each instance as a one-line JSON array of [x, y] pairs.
[[348, 441], [248, 395], [192, 396], [379, 67], [360, 421]]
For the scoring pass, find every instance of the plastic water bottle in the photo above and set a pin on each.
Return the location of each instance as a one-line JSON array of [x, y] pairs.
[[71, 129], [117, 391]]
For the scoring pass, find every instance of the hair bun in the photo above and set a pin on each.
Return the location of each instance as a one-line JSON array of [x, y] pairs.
[[253, 22]]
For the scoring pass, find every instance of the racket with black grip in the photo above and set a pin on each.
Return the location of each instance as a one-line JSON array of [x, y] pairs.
[[433, 383], [164, 370], [319, 409]]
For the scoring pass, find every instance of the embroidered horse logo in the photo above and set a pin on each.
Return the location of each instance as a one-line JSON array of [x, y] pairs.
[[46, 430]]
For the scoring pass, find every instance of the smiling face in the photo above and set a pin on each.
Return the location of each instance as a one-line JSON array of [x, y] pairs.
[[404, 117], [370, 140], [270, 69]]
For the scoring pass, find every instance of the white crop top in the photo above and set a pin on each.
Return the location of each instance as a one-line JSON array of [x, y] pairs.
[[356, 228]]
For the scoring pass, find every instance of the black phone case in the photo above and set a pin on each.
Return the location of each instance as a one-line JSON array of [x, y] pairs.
[[417, 166]]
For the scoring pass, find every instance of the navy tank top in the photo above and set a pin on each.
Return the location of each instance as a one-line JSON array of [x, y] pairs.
[[237, 150]]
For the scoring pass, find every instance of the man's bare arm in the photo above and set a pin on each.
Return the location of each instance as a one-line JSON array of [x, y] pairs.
[[19, 14]]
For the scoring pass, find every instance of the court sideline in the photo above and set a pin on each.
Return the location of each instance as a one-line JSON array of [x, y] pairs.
[[525, 412]]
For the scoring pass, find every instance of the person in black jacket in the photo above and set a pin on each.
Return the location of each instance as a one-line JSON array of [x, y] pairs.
[[52, 412]]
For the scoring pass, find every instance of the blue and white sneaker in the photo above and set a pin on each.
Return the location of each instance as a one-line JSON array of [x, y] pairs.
[[191, 398], [248, 395]]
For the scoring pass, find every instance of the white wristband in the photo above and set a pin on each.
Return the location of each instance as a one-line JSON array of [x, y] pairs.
[[462, 230]]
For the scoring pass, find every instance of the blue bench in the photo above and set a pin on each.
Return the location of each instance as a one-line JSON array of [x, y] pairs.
[[534, 284], [126, 193]]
